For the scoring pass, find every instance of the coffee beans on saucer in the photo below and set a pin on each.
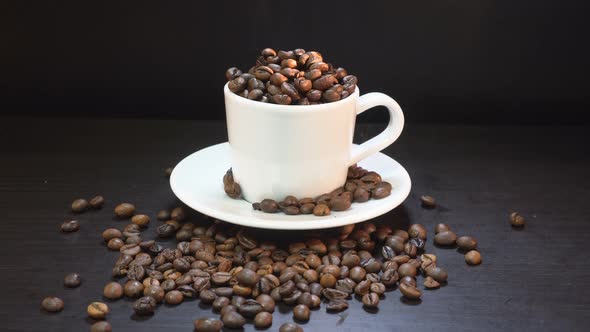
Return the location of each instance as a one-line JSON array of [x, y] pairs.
[[360, 186], [294, 77]]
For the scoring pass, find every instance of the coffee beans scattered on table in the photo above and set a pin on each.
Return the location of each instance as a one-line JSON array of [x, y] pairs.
[[361, 185], [79, 205], [473, 257], [52, 304], [113, 291], [291, 78], [96, 202], [124, 210]]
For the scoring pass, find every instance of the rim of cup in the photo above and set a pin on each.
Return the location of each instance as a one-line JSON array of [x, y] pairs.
[[275, 107]]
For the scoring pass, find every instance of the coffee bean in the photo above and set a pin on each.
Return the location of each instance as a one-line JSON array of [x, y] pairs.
[[174, 297], [466, 243], [208, 325], [111, 233], [101, 327], [79, 205], [291, 210], [307, 208], [382, 190], [324, 82], [165, 230], [268, 52], [113, 291], [145, 306], [154, 291], [133, 288], [115, 244], [339, 203], [281, 99], [301, 312], [516, 220], [446, 238], [233, 320], [337, 305], [370, 300], [207, 296], [428, 201], [437, 274], [263, 320], [431, 283], [124, 210], [395, 242], [417, 230], [473, 257], [321, 210], [52, 304], [441, 228], [96, 202], [314, 95], [97, 310], [232, 73], [130, 249], [140, 220], [72, 280], [250, 308], [409, 291], [70, 226], [361, 195]]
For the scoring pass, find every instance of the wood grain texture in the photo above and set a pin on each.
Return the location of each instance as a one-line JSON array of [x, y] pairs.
[[532, 279]]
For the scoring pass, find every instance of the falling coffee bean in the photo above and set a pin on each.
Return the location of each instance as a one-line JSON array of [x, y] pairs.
[[72, 280], [96, 202], [428, 201], [79, 205], [124, 210]]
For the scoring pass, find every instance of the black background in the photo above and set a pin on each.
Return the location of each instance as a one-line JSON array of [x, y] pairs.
[[444, 61]]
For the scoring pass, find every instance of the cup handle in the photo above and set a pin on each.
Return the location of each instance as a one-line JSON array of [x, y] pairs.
[[387, 136]]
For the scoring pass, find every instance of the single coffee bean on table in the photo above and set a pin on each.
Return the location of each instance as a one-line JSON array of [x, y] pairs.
[[52, 304], [124, 210], [72, 280], [96, 202], [113, 291], [208, 325], [446, 238], [290, 327], [79, 205], [97, 310], [430, 283], [466, 243], [70, 226], [516, 220], [428, 201], [144, 306], [473, 257]]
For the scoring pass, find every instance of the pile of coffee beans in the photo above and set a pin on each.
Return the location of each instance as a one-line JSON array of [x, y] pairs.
[[361, 185], [292, 77]]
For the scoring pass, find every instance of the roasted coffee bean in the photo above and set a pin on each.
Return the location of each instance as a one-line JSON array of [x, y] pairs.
[[339, 203], [70, 226], [113, 291], [255, 94], [357, 273], [330, 95], [124, 210], [232, 73], [52, 304], [290, 73], [410, 249], [72, 280], [428, 201], [290, 327], [220, 302], [291, 210], [111, 233], [441, 228], [233, 320], [263, 320], [208, 325], [262, 73], [370, 300], [387, 252], [283, 55], [516, 220], [389, 277], [418, 242], [395, 242], [269, 206], [154, 291], [144, 306], [130, 249], [417, 230], [466, 243], [321, 210], [250, 308], [207, 296], [96, 202], [324, 82], [133, 288], [473, 257], [115, 244], [337, 305], [268, 52], [446, 238], [277, 79], [335, 294], [303, 84], [102, 326], [301, 312], [267, 302], [140, 220], [431, 283], [229, 307], [307, 208], [97, 310], [382, 190], [362, 287], [174, 297], [409, 291], [314, 95], [361, 195], [281, 99], [437, 274], [377, 288], [79, 205], [165, 230]]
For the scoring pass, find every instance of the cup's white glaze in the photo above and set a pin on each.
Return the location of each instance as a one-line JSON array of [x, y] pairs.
[[305, 151]]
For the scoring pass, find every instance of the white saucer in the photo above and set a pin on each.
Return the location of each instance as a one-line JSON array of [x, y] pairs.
[[197, 181]]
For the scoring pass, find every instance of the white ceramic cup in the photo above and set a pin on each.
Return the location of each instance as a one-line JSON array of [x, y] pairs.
[[305, 151]]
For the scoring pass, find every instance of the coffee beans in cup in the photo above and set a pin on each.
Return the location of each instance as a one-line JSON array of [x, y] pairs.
[[294, 77]]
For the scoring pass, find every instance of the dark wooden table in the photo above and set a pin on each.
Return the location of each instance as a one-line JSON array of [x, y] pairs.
[[537, 278]]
